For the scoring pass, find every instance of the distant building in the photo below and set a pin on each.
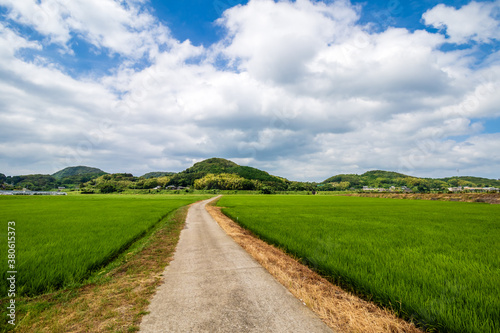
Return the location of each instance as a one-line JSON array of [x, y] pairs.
[[481, 189], [172, 187], [473, 189], [374, 189], [455, 189], [31, 193]]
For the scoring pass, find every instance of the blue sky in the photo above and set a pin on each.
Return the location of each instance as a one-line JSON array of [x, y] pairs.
[[302, 89], [194, 19]]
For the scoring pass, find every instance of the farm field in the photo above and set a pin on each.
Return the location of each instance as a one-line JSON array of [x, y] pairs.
[[61, 240], [434, 263]]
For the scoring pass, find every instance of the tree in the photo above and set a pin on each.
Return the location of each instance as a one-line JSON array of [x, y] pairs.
[[419, 184], [224, 181], [439, 184], [29, 186], [300, 186], [247, 184], [3, 178], [163, 181], [465, 183], [107, 188], [344, 185], [453, 182], [151, 183], [266, 190]]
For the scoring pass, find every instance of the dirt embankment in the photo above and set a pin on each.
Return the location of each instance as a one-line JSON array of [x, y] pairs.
[[340, 310], [491, 198]]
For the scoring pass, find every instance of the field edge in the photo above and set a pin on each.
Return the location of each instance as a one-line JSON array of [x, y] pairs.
[[340, 310], [113, 299]]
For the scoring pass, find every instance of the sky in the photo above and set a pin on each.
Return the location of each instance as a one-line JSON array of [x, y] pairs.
[[302, 89]]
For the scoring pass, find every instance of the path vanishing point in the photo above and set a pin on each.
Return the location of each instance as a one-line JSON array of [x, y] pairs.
[[213, 285]]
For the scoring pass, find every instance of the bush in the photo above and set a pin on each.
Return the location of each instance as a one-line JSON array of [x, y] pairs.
[[107, 188], [266, 190]]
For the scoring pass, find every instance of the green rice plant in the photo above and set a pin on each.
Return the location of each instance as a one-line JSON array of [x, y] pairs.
[[61, 240], [434, 263]]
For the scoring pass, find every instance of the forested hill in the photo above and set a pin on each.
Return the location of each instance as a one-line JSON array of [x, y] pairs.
[[477, 181], [219, 173], [156, 174], [77, 171], [386, 179], [221, 166], [70, 177], [367, 177]]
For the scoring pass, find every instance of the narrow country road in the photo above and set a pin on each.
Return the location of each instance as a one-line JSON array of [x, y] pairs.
[[213, 285]]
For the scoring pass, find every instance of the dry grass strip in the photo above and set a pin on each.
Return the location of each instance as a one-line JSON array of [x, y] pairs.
[[340, 310], [491, 198], [118, 301]]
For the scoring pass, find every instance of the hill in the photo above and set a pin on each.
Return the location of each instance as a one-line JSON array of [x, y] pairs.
[[210, 174], [387, 179], [383, 174], [77, 171], [219, 173], [367, 177], [472, 181], [36, 182], [222, 166], [156, 174]]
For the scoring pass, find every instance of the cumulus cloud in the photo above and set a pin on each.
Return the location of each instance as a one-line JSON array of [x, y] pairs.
[[275, 41], [125, 30], [304, 91], [477, 21]]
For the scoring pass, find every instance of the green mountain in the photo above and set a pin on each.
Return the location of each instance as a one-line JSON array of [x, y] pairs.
[[386, 179], [471, 181], [219, 166], [383, 174], [77, 171], [219, 173], [156, 174], [367, 177], [36, 182]]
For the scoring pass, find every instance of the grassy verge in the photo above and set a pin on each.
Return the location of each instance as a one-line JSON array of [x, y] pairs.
[[112, 300]]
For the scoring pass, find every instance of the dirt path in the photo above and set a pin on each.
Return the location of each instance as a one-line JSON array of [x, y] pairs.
[[213, 285]]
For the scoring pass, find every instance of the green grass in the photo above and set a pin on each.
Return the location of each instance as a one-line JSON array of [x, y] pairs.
[[434, 263], [61, 241]]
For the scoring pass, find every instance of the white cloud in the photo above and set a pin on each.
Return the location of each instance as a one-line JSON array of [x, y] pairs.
[[307, 88], [475, 21], [274, 41], [119, 27]]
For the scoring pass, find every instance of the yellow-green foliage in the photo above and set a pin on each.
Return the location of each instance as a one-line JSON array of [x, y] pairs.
[[163, 181], [225, 181], [341, 185]]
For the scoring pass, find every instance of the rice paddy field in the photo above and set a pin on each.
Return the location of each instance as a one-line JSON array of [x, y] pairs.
[[62, 240], [434, 263]]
